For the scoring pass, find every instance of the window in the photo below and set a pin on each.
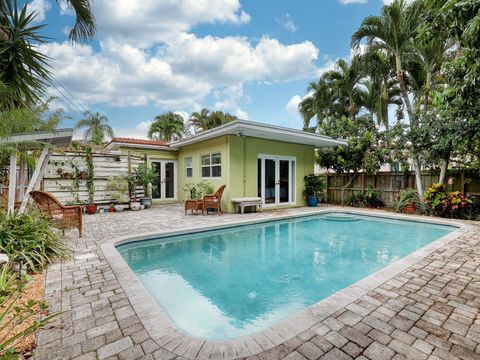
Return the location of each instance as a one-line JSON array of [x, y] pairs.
[[188, 167], [211, 165]]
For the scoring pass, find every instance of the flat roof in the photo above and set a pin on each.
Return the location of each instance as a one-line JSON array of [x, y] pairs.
[[59, 137], [262, 131]]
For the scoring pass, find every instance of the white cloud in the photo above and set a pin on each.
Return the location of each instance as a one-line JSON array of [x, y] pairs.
[[287, 23], [292, 105], [148, 22], [40, 8]]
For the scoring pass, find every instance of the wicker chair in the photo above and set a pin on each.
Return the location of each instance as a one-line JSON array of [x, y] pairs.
[[62, 217], [213, 202]]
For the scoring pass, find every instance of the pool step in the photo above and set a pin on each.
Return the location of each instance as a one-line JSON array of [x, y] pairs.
[[341, 217]]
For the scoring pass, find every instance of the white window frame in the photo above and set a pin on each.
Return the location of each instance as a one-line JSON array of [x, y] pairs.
[[188, 167], [210, 166]]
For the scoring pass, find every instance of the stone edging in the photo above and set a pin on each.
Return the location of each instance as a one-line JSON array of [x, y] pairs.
[[164, 332]]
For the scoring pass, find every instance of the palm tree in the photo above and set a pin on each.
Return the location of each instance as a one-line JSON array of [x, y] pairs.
[[167, 127], [206, 119], [23, 69], [97, 127], [84, 28], [393, 32], [318, 103]]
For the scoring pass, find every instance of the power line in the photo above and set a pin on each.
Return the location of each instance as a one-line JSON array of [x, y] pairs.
[[71, 95], [67, 98]]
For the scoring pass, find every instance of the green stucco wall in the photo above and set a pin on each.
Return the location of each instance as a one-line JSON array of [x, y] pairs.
[[244, 153], [216, 145]]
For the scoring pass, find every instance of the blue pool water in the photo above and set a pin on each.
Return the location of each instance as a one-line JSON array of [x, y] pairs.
[[233, 282]]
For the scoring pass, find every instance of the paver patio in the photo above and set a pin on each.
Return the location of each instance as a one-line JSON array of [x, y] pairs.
[[429, 311]]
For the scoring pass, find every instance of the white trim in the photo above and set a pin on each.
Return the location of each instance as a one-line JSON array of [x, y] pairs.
[[185, 168], [272, 132], [12, 182], [211, 177]]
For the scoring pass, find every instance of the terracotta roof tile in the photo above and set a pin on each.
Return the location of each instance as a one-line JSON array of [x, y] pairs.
[[139, 141]]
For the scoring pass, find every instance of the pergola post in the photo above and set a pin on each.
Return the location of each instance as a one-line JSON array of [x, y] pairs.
[[36, 177], [12, 182], [22, 178]]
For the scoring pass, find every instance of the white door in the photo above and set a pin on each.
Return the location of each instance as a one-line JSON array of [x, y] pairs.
[[166, 182], [276, 180]]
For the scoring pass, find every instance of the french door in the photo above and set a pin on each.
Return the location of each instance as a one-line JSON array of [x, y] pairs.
[[276, 180], [166, 181]]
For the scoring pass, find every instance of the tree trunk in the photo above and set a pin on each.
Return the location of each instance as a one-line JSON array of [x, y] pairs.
[[418, 177], [350, 180], [443, 170]]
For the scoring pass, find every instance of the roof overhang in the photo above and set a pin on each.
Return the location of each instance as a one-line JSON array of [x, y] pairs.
[[262, 131], [115, 145], [60, 137]]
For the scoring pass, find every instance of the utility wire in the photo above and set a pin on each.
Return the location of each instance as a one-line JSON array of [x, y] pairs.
[[71, 95]]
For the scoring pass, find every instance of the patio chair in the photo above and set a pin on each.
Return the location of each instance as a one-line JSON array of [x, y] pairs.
[[62, 217], [213, 202]]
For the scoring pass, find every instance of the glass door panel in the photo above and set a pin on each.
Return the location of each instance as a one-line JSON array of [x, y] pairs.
[[157, 185], [169, 180], [284, 181], [270, 181]]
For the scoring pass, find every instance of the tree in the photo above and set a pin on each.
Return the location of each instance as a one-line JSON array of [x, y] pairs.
[[318, 103], [97, 127], [167, 127], [23, 69], [207, 119], [84, 28], [365, 149], [393, 32]]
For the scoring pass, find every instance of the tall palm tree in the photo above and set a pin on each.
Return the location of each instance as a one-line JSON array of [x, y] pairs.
[[206, 119], [23, 69], [84, 28], [97, 127], [167, 127], [394, 32]]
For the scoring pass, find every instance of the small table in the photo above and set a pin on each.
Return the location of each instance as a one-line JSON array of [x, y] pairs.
[[247, 201], [193, 205]]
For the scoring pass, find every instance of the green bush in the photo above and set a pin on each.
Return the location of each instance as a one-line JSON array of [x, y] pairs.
[[314, 185], [369, 198], [9, 282], [29, 239], [198, 190]]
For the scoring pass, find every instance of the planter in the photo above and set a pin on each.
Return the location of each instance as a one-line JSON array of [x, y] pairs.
[[91, 209], [146, 201], [135, 205], [111, 209], [312, 201], [118, 208], [410, 208]]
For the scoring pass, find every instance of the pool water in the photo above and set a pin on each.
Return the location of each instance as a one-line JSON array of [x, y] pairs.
[[232, 282]]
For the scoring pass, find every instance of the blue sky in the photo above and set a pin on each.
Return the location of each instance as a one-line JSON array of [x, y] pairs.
[[250, 58]]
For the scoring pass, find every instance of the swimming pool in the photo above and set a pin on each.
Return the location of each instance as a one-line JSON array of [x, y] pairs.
[[237, 281]]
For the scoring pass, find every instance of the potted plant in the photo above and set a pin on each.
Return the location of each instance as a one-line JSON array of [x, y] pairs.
[[118, 186], [132, 193], [145, 176], [406, 201], [91, 207], [314, 189]]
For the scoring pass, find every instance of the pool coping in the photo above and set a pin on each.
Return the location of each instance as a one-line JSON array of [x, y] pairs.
[[166, 334]]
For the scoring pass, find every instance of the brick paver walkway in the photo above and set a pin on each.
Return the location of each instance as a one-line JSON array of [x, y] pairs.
[[430, 311]]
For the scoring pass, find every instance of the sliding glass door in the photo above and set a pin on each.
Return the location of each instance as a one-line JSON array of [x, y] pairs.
[[276, 180]]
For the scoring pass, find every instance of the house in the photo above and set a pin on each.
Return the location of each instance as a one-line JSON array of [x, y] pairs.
[[252, 159]]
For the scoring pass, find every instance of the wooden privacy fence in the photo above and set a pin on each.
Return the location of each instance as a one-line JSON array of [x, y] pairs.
[[391, 183], [65, 176]]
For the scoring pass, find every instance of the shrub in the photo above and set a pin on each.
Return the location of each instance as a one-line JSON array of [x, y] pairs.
[[198, 190], [9, 282], [314, 185], [369, 198], [442, 203], [29, 239]]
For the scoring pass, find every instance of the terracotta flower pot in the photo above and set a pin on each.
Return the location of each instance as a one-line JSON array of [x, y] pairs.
[[410, 208], [91, 209]]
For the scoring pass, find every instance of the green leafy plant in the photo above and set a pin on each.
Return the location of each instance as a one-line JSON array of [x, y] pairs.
[[405, 197], [90, 175], [118, 185], [314, 185], [442, 203], [9, 281], [145, 176], [372, 198], [16, 312], [198, 190], [29, 239]]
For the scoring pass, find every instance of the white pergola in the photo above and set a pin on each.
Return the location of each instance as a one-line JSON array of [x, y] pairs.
[[57, 138]]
